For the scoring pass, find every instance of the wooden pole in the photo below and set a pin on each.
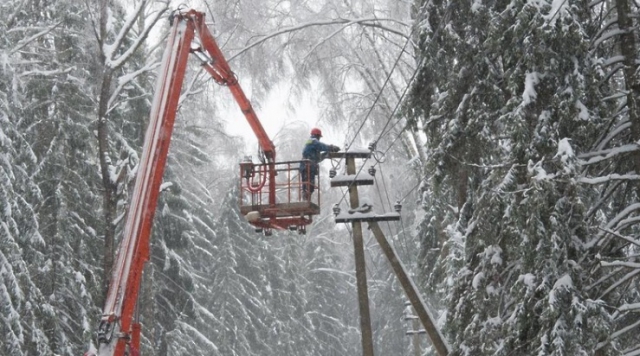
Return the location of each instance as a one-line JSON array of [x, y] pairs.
[[361, 273], [412, 292], [416, 337]]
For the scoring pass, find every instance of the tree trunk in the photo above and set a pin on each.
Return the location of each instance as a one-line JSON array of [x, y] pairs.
[[109, 197], [628, 51], [632, 82]]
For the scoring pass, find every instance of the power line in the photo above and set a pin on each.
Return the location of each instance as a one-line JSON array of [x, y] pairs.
[[400, 101], [397, 104], [395, 64], [436, 32], [373, 105]]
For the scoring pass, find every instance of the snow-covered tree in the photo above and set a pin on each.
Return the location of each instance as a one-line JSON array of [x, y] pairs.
[[46, 113], [121, 68], [508, 92], [611, 167]]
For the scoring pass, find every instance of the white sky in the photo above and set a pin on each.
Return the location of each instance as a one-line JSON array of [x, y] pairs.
[[274, 113]]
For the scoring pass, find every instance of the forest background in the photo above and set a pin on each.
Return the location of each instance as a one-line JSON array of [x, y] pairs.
[[508, 129]]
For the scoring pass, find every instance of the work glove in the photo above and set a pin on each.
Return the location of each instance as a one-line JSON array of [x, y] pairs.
[[334, 148]]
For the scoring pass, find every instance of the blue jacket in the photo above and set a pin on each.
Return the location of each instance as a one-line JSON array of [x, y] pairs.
[[312, 149]]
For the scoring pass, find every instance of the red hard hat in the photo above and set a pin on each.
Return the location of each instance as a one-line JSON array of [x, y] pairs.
[[316, 132]]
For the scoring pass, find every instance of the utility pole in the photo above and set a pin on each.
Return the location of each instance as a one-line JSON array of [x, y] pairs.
[[361, 272], [415, 330], [358, 214], [352, 180], [416, 337]]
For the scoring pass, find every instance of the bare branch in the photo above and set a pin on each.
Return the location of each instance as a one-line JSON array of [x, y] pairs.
[[617, 334], [117, 62], [620, 263], [626, 238], [46, 73], [108, 49], [371, 21], [26, 41], [629, 276], [629, 307], [322, 41], [15, 13], [617, 222], [608, 178], [620, 128], [599, 156], [126, 79]]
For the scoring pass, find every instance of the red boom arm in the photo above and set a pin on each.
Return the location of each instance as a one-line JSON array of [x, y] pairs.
[[219, 69], [117, 332]]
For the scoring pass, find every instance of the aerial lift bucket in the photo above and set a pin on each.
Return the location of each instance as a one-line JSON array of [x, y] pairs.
[[281, 204]]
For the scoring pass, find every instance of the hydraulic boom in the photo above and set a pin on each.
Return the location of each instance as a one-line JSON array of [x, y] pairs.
[[118, 333]]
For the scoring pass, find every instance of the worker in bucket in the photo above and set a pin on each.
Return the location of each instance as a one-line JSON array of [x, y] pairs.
[[312, 152]]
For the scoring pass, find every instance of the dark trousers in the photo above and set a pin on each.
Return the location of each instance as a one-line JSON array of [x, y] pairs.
[[308, 172]]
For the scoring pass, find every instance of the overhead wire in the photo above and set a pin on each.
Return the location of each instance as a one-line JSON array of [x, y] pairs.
[[382, 134], [400, 101], [395, 64], [415, 73], [385, 132], [388, 199], [402, 231], [376, 100]]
